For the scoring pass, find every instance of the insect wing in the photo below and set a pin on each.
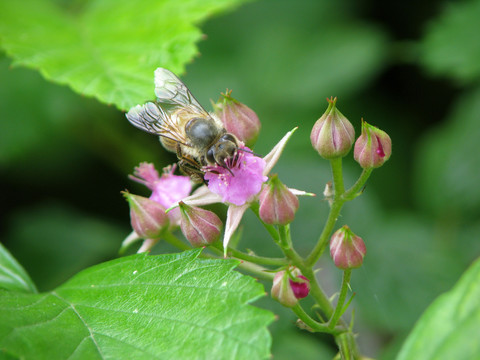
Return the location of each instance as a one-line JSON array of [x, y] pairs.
[[172, 94], [162, 118], [154, 120]]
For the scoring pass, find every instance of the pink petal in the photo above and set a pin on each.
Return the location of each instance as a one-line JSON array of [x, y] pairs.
[[240, 182], [272, 157]]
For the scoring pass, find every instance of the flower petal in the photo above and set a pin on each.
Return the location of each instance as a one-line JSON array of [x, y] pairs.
[[201, 196], [301, 192], [272, 157], [234, 215], [239, 181]]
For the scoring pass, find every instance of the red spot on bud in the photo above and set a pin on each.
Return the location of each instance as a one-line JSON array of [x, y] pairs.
[[379, 150]]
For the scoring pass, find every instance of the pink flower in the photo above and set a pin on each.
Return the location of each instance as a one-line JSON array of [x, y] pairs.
[[205, 195], [240, 181], [167, 190]]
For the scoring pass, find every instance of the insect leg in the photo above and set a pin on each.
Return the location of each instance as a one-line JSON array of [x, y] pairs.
[[190, 166]]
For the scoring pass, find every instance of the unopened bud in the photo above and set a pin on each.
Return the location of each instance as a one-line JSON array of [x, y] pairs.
[[347, 249], [373, 148], [200, 227], [289, 286], [332, 135], [238, 119], [277, 204], [147, 217]]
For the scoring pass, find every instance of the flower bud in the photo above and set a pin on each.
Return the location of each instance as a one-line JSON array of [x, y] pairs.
[[332, 135], [289, 286], [347, 249], [147, 217], [238, 119], [373, 147], [200, 227], [277, 204]]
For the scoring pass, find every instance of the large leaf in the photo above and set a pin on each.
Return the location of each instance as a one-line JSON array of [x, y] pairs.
[[450, 46], [449, 329], [141, 307], [12, 275], [107, 48]]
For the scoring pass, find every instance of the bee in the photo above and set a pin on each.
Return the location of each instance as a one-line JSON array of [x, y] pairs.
[[198, 138]]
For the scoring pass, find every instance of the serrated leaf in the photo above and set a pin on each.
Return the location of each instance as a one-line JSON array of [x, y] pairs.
[[105, 48], [141, 307], [449, 329], [12, 274], [450, 46]]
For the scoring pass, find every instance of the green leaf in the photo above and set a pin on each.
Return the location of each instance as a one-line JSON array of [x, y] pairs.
[[141, 307], [12, 275], [449, 327], [105, 48], [450, 46], [447, 161]]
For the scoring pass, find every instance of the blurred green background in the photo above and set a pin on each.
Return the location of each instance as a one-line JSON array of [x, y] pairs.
[[410, 68]]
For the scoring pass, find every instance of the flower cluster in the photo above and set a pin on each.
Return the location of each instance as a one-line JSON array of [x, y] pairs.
[[148, 215], [239, 185], [244, 181]]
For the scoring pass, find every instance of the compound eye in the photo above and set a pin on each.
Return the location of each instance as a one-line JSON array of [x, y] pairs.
[[210, 156]]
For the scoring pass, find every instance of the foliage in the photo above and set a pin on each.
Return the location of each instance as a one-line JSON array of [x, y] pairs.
[[444, 331], [148, 307], [63, 157], [12, 275], [95, 47]]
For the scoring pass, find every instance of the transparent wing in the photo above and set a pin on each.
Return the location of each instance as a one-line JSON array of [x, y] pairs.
[[153, 119], [172, 94]]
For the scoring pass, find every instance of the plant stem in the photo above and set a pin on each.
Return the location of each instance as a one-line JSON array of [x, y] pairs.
[[271, 229], [317, 292], [341, 299], [336, 165], [341, 196], [353, 192], [307, 271], [338, 201], [257, 259], [312, 324], [257, 270], [253, 268], [327, 230], [285, 242], [347, 346], [173, 240]]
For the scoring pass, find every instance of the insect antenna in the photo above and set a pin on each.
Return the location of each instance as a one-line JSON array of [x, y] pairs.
[[249, 152]]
